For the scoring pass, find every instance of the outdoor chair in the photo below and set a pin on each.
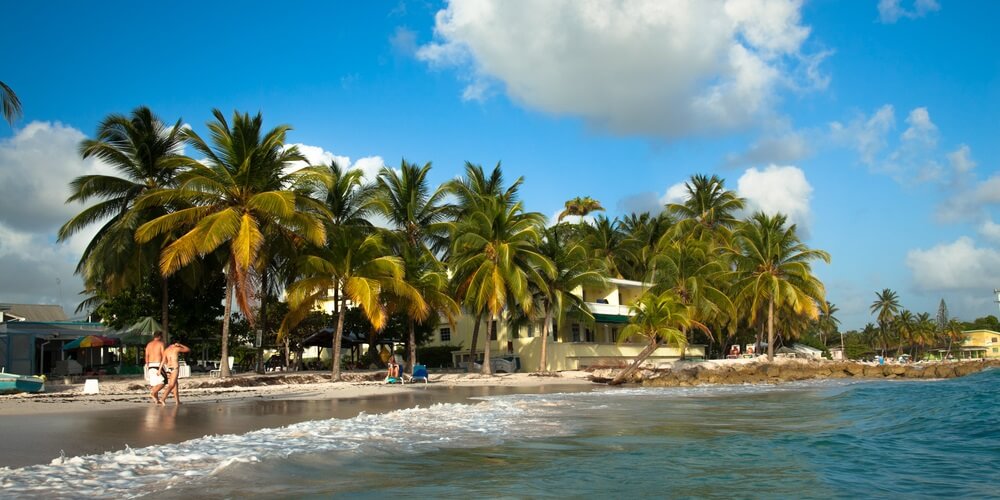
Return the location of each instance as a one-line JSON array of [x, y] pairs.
[[419, 373]]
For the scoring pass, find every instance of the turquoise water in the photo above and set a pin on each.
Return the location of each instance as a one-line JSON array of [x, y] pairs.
[[824, 439]]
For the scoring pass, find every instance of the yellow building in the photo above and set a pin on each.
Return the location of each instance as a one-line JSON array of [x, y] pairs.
[[577, 345], [980, 344]]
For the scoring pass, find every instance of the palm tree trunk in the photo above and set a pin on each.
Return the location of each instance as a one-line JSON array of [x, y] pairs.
[[653, 344], [475, 340], [263, 319], [335, 361], [770, 330], [487, 369], [543, 363], [164, 309], [224, 362], [413, 344]]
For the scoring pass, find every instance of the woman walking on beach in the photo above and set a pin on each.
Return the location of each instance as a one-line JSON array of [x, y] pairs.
[[171, 366]]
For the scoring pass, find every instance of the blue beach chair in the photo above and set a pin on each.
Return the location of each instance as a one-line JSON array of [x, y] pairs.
[[419, 373]]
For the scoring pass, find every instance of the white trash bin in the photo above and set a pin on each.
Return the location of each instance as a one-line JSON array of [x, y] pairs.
[[91, 386]]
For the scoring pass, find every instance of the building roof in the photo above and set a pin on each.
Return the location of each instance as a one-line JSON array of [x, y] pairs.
[[32, 312]]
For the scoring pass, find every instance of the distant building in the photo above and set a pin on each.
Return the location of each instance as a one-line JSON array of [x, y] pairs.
[[979, 344], [575, 346], [32, 336]]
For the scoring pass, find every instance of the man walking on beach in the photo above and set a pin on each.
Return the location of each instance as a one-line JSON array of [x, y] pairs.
[[171, 364], [154, 357]]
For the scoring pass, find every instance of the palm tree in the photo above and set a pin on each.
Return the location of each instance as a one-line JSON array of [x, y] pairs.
[[657, 318], [496, 259], [886, 306], [10, 105], [953, 333], [580, 206], [827, 322], [573, 269], [428, 278], [772, 266], [905, 323], [710, 209], [147, 155], [361, 266], [418, 217], [240, 188], [642, 233], [606, 242], [473, 192], [925, 330]]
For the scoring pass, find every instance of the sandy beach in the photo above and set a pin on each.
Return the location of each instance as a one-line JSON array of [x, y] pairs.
[[38, 428]]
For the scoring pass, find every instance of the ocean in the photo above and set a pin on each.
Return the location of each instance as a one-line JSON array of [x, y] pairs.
[[817, 439]]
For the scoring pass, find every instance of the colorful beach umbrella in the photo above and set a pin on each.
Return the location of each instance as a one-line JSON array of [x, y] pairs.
[[90, 341]]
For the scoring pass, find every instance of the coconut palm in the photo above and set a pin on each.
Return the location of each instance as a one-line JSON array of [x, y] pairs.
[[886, 307], [362, 266], [708, 209], [580, 206], [925, 330], [573, 269], [10, 105], [241, 187], [428, 278], [642, 233], [416, 213], [953, 333], [146, 154], [771, 266], [657, 319], [495, 259], [905, 326], [473, 192], [827, 323], [606, 242]]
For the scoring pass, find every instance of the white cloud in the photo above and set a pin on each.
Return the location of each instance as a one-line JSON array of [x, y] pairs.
[[632, 67], [778, 189], [404, 41], [890, 11], [866, 135], [677, 193], [972, 203], [36, 166], [316, 155], [785, 148], [955, 266], [990, 230], [961, 159]]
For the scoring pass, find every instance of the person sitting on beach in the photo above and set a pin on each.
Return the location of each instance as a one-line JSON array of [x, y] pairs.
[[393, 371], [171, 366], [734, 352], [154, 356]]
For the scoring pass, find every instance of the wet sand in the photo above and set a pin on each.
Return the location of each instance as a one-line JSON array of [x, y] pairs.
[[39, 438]]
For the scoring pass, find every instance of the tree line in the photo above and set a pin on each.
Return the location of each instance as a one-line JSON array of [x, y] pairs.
[[247, 211]]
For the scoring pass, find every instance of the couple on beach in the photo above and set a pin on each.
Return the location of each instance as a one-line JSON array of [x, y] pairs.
[[163, 367]]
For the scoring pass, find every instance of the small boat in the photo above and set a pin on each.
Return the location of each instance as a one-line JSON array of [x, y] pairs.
[[10, 383]]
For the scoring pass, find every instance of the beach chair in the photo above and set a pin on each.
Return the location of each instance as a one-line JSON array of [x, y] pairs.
[[419, 373]]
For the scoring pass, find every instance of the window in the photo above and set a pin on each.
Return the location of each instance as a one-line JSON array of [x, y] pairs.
[[531, 330], [588, 335], [576, 332], [996, 349], [445, 334], [994, 340], [493, 329]]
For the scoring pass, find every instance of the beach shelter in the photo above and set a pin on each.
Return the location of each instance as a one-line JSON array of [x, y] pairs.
[[141, 332], [91, 342]]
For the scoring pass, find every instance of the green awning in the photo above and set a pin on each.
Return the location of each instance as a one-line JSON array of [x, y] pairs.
[[610, 318]]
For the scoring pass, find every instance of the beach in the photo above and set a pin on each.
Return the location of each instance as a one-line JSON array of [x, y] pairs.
[[38, 428]]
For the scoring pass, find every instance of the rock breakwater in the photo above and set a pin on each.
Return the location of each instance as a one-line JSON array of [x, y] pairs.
[[682, 374]]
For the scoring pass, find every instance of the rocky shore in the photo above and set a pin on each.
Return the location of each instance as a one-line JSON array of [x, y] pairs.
[[683, 374]]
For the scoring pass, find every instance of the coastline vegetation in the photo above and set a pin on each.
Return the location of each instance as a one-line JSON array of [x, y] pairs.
[[246, 218]]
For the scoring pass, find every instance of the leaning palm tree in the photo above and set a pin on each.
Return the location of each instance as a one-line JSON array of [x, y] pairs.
[[10, 105], [361, 265], [657, 319], [573, 268], [886, 307], [771, 266], [495, 259], [146, 153], [580, 206], [240, 187]]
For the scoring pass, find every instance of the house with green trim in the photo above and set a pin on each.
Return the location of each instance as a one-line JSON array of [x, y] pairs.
[[577, 345]]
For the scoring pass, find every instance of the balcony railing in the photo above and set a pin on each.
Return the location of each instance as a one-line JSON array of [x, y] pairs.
[[608, 309]]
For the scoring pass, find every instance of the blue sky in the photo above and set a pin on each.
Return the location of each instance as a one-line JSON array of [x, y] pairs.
[[872, 123]]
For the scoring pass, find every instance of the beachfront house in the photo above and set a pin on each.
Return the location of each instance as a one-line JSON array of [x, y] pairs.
[[577, 345], [32, 337], [980, 344]]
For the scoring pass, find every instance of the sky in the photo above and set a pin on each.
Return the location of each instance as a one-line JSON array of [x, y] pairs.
[[871, 124]]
